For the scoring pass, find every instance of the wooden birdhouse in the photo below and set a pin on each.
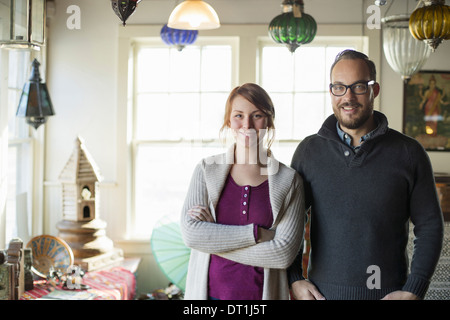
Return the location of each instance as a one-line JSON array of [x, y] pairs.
[[81, 226], [79, 179]]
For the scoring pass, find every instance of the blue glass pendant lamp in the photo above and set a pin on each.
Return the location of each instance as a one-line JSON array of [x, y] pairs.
[[178, 37]]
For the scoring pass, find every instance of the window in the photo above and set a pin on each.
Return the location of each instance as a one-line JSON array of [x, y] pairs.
[[18, 207], [178, 111], [298, 86], [178, 101]]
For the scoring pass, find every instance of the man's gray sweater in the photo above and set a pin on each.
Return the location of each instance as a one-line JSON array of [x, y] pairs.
[[361, 205]]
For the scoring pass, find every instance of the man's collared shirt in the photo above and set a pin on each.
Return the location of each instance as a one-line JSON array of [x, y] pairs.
[[347, 139]]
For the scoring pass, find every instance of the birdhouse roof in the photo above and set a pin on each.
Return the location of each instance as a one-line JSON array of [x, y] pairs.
[[80, 166]]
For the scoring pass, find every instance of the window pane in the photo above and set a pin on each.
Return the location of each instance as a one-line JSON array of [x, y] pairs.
[[162, 183], [308, 113], [276, 69], [184, 67], [216, 60], [152, 62], [19, 61], [328, 107], [167, 117], [284, 151], [309, 76], [151, 116], [19, 73], [18, 214], [283, 115], [184, 120], [11, 222], [13, 121], [212, 113]]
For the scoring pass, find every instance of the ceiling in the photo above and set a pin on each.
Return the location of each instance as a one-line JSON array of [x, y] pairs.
[[263, 11]]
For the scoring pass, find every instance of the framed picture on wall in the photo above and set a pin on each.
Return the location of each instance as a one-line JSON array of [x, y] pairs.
[[426, 112]]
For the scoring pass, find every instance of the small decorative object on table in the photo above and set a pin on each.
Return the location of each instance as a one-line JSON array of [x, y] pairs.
[[16, 257], [28, 264], [12, 271], [49, 252], [6, 277], [172, 292], [74, 276]]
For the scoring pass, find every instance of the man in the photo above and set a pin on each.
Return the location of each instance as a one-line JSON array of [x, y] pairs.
[[363, 183]]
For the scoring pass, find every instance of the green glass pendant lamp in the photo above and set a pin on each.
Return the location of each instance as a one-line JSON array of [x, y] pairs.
[[293, 27]]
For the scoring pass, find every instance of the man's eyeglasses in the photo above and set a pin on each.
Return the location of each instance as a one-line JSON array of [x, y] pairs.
[[359, 87]]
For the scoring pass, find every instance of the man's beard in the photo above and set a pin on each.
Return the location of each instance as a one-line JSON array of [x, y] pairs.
[[355, 122]]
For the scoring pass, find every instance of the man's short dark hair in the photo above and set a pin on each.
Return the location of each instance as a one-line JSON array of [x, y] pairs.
[[354, 55]]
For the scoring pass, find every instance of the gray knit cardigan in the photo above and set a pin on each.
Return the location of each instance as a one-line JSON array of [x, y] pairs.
[[237, 243]]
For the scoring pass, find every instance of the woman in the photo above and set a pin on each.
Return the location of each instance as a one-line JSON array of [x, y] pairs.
[[244, 212]]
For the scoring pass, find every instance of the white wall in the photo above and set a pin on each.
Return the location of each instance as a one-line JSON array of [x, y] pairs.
[[83, 79]]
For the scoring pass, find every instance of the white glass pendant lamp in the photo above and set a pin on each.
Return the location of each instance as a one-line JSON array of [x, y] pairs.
[[193, 15], [405, 54]]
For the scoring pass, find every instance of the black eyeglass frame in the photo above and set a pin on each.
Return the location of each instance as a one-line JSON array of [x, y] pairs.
[[367, 83]]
